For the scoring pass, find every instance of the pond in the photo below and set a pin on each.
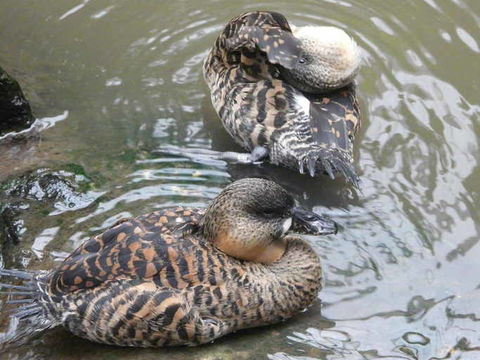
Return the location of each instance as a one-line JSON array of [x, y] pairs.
[[121, 78]]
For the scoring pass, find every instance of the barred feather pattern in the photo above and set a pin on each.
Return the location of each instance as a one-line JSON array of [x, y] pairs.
[[154, 281], [33, 312], [308, 133]]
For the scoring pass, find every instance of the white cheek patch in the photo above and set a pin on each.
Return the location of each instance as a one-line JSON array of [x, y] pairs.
[[303, 103], [287, 224]]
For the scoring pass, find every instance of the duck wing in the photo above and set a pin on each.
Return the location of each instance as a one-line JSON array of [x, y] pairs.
[[147, 247], [266, 31], [304, 132], [333, 122], [317, 131], [135, 279]]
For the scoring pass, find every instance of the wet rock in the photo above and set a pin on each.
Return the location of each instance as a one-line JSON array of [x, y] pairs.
[[44, 185], [66, 190], [11, 227], [15, 111], [45, 192]]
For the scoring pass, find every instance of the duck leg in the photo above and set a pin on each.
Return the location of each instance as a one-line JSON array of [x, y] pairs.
[[258, 154]]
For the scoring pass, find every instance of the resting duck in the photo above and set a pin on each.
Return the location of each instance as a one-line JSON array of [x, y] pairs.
[[286, 92], [181, 276]]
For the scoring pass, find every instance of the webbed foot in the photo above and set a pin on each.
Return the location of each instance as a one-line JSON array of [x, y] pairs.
[[257, 155]]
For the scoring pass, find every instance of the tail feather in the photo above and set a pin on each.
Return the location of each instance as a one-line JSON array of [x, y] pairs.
[[26, 307], [16, 287], [16, 293], [347, 171], [20, 301], [30, 315], [327, 125], [328, 168], [24, 313], [331, 161], [17, 273]]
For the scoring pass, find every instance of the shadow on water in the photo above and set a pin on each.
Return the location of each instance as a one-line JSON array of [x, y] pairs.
[[400, 277]]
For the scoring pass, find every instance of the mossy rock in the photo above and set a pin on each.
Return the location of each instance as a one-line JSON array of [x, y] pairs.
[[15, 111], [45, 192]]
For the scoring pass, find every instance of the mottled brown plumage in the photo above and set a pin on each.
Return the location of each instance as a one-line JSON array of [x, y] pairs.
[[167, 278], [305, 116]]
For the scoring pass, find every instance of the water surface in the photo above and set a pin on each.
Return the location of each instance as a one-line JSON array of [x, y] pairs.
[[124, 77]]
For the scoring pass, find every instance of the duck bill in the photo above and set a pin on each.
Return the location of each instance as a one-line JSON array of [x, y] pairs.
[[309, 223]]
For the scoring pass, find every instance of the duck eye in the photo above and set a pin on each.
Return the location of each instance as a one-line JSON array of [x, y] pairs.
[[302, 60], [269, 213]]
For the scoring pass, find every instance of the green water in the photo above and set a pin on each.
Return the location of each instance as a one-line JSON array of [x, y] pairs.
[[124, 77]]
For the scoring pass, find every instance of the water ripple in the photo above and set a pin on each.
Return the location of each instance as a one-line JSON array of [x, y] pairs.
[[399, 277]]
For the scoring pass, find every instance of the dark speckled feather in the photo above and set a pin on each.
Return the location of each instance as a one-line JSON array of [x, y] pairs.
[[155, 280], [311, 133]]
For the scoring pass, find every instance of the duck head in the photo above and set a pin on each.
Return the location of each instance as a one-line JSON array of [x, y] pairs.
[[327, 59], [250, 218]]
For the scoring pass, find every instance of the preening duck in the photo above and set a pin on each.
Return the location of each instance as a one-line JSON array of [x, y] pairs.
[[286, 93], [180, 276]]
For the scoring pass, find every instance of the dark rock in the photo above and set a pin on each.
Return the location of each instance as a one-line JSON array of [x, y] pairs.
[[43, 191], [65, 190], [15, 111], [43, 185], [10, 226]]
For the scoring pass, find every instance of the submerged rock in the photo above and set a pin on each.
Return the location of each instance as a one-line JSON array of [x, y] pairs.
[[11, 227], [42, 192], [15, 111], [47, 185]]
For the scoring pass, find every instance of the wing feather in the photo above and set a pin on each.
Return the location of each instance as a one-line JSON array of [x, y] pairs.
[[135, 248]]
